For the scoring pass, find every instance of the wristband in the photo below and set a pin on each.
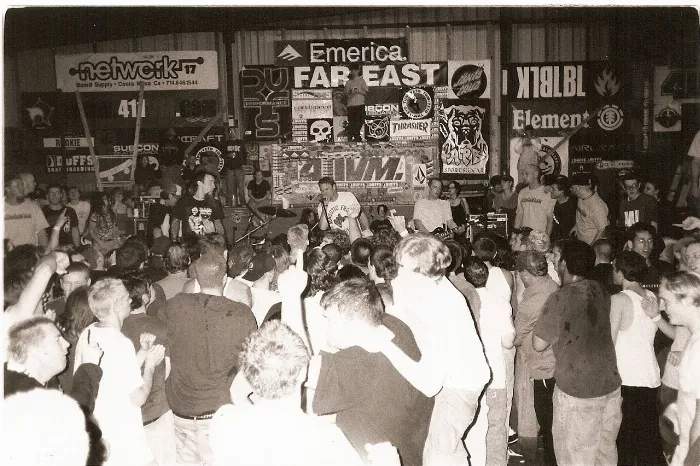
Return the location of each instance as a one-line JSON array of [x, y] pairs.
[[657, 318], [57, 228]]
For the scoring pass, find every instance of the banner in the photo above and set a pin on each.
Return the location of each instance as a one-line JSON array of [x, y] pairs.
[[556, 163], [403, 130], [266, 93], [375, 75], [113, 110], [667, 111], [378, 174], [160, 71], [311, 108], [464, 127], [340, 51]]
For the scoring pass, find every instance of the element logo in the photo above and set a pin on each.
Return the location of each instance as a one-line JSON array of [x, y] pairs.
[[289, 53], [417, 103], [40, 114], [610, 117]]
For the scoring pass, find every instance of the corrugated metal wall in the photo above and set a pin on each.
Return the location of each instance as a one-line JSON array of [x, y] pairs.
[[434, 34]]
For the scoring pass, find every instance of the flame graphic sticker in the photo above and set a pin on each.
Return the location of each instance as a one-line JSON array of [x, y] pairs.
[[607, 84]]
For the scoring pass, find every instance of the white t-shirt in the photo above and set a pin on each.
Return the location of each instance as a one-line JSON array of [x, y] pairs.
[[442, 324], [268, 434], [433, 213], [688, 395], [23, 222], [119, 418], [495, 321], [591, 218], [263, 300], [340, 211], [536, 206], [82, 210]]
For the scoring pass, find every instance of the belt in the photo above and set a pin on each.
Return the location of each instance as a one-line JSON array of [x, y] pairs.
[[207, 415]]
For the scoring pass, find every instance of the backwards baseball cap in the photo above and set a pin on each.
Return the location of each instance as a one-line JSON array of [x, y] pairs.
[[238, 258], [532, 261], [174, 189], [259, 265]]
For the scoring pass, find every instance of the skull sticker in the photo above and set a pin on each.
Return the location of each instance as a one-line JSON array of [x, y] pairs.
[[320, 130]]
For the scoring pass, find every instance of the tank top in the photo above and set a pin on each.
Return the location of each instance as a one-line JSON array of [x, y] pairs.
[[636, 360], [497, 284], [458, 215]]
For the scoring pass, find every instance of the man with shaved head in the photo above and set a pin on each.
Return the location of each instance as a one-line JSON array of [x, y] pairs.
[[535, 206]]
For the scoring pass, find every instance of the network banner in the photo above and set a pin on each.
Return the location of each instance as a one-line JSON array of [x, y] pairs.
[[159, 71]]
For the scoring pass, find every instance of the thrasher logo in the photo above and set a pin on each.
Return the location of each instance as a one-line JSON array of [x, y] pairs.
[[289, 54]]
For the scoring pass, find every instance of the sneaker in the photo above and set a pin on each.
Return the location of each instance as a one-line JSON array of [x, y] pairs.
[[512, 437], [513, 453]]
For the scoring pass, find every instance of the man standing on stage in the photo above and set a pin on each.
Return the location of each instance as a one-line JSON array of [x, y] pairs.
[[233, 167], [340, 211], [199, 213], [355, 92], [433, 212]]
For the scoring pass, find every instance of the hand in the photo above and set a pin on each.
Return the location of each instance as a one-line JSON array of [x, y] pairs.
[[382, 454], [375, 341], [62, 262], [62, 219], [92, 353], [147, 340], [155, 355], [313, 372], [650, 306], [691, 223], [51, 314], [674, 357], [397, 222]]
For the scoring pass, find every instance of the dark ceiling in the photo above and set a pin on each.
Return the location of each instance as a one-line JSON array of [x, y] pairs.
[[38, 27]]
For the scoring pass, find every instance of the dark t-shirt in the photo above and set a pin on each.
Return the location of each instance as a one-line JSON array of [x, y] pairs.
[[235, 154], [643, 209], [192, 212], [373, 402], [564, 218], [376, 225], [156, 217], [16, 382], [170, 152], [575, 320], [206, 334], [65, 236], [259, 190], [156, 405]]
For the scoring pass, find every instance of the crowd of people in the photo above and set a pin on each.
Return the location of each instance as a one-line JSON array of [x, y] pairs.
[[345, 341]]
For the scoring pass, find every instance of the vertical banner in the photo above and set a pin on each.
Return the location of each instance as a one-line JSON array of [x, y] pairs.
[[266, 92], [667, 111], [464, 127]]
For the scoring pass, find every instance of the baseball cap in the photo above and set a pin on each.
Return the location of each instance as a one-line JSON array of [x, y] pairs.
[[532, 261], [258, 266], [174, 189], [238, 258]]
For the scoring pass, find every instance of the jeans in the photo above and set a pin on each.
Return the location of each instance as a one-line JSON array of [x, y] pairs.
[[160, 436], [235, 185], [585, 429], [356, 120], [669, 438], [192, 441], [639, 440], [544, 390], [497, 435], [453, 413]]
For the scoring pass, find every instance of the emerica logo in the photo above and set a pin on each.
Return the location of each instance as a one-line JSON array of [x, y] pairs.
[[163, 68]]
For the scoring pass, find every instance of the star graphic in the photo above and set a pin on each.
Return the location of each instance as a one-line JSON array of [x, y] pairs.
[[40, 113]]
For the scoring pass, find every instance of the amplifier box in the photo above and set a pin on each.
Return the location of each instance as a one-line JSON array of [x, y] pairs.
[[492, 222]]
